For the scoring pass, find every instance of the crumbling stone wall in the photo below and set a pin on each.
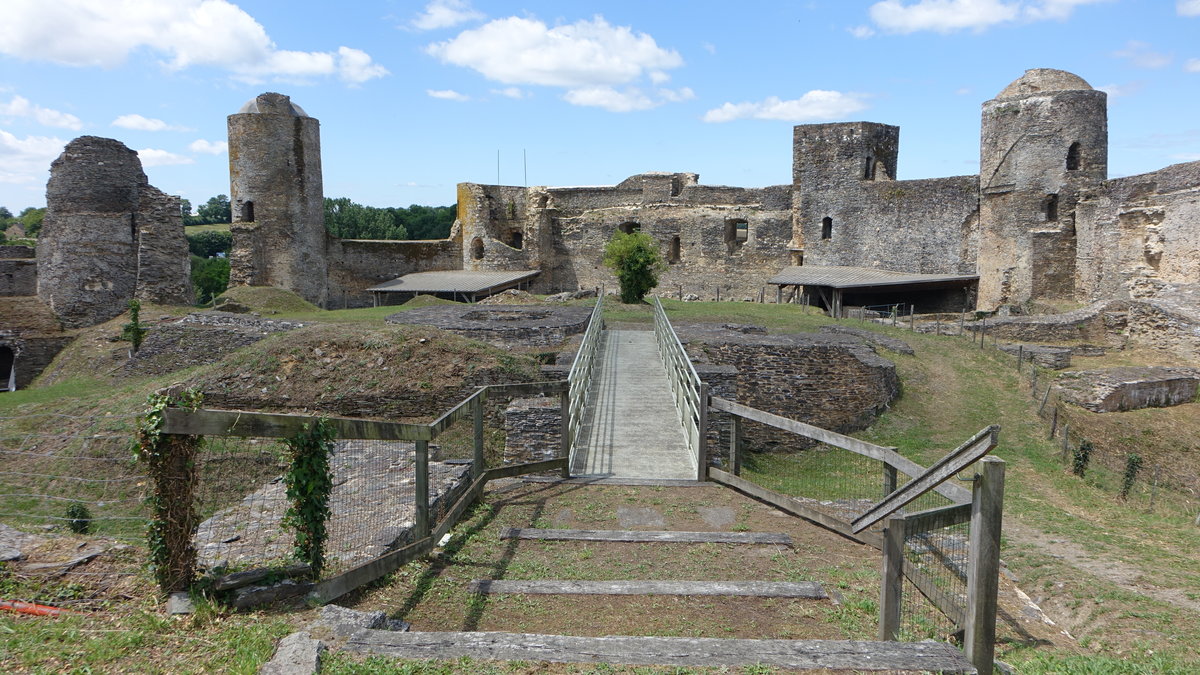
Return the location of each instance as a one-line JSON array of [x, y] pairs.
[[533, 429], [108, 236], [711, 236], [18, 271], [1139, 229], [356, 265]]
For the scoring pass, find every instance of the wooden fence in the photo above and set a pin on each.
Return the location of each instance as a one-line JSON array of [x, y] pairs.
[[425, 532]]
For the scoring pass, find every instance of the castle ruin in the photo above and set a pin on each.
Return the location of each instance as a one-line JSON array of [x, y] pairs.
[[1041, 222]]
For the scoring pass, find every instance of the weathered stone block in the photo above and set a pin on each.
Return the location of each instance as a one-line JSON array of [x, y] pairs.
[[1129, 388]]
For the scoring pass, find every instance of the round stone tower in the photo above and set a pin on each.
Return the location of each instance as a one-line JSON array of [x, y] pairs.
[[277, 199], [1044, 141], [87, 250]]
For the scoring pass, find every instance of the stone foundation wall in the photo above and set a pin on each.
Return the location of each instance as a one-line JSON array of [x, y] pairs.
[[503, 325], [32, 353], [1129, 388], [18, 275], [1101, 323], [831, 381], [533, 428]]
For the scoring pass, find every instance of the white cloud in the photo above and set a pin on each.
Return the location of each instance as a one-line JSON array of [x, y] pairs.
[[942, 16], [447, 95], [861, 32], [1186, 156], [582, 55], [209, 147], [185, 33], [1192, 66], [709, 47], [816, 105], [355, 66], [610, 99], [1122, 90], [20, 106], [155, 157], [140, 123], [948, 16], [963, 91], [27, 160], [1141, 55], [444, 14], [510, 92], [1188, 7], [677, 95]]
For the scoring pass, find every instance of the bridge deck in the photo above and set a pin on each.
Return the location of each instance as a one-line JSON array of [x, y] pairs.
[[630, 427]]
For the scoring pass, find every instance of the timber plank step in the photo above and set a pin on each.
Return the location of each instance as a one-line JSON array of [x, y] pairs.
[[613, 480], [649, 536], [859, 656], [759, 589]]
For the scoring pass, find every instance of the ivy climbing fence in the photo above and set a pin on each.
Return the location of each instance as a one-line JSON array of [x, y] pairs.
[[393, 489]]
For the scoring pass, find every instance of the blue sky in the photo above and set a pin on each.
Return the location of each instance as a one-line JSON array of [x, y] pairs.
[[414, 97]]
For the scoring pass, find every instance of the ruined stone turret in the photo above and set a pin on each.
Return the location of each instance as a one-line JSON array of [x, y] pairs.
[[1044, 141], [108, 236], [277, 198]]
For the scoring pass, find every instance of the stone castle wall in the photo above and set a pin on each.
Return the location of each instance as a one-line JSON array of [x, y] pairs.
[[356, 265], [18, 271], [1140, 231]]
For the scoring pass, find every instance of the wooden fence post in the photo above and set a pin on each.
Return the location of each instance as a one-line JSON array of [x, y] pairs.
[[889, 479], [987, 510], [1066, 441], [565, 407], [892, 587], [735, 439], [421, 516], [477, 467]]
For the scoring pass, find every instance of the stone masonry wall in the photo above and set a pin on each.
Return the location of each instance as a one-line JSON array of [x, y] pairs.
[[831, 381], [533, 428], [356, 265], [164, 267], [18, 271]]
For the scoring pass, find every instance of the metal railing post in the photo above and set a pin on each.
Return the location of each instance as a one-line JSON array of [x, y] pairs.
[[567, 441], [702, 433], [987, 510], [891, 588]]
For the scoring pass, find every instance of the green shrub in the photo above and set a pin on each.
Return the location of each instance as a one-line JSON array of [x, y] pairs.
[[1133, 464], [1083, 454], [79, 518], [636, 261]]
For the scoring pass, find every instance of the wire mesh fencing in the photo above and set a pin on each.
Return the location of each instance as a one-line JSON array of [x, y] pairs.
[[72, 511]]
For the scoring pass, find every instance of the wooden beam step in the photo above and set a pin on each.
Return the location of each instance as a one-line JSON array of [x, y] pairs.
[[859, 656], [759, 589], [611, 480], [637, 536]]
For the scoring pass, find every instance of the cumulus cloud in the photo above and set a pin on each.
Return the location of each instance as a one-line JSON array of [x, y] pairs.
[[1188, 7], [444, 14], [1192, 66], [610, 99], [510, 92], [948, 16], [27, 160], [816, 105], [140, 123], [20, 106], [1141, 55], [156, 157], [209, 147], [584, 54], [186, 33], [447, 95], [861, 32]]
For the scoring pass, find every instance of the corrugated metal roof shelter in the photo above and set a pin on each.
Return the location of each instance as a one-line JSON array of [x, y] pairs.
[[833, 286], [456, 284]]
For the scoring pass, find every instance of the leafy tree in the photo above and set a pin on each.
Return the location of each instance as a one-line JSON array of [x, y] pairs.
[[210, 278], [3, 237], [635, 260], [31, 220], [209, 244], [5, 214], [215, 210], [185, 207]]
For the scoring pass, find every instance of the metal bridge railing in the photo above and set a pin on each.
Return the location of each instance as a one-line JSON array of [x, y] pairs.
[[580, 376], [690, 394]]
